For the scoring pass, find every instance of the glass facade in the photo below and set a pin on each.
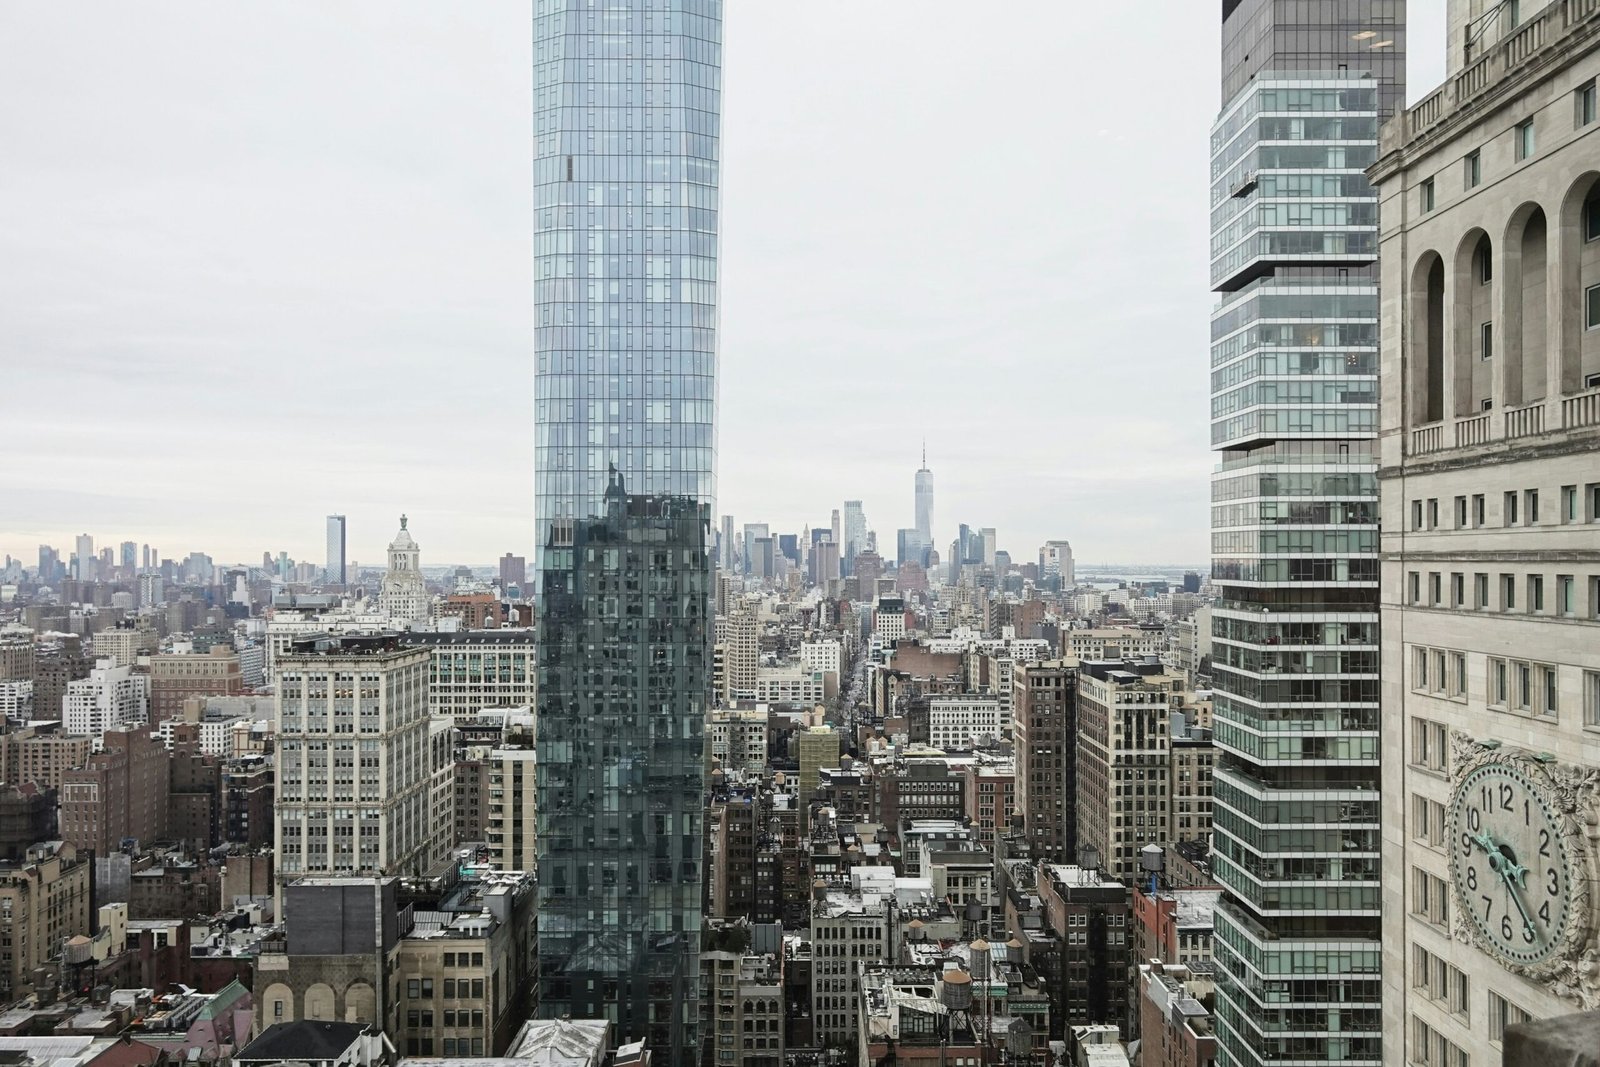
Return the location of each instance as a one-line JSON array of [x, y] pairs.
[[1294, 363], [627, 106], [626, 126]]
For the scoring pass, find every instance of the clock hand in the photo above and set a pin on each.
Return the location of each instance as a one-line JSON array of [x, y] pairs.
[[1516, 896], [1486, 842]]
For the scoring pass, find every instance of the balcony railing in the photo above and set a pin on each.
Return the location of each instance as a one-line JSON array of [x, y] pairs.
[[1584, 409], [1473, 431], [1522, 45], [1429, 438], [1525, 421]]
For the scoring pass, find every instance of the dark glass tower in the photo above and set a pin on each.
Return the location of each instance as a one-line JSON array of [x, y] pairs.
[[626, 116], [1294, 364]]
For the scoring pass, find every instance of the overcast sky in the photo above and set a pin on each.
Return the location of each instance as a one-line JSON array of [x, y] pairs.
[[260, 262]]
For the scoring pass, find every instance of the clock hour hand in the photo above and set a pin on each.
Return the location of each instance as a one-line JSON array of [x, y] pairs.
[[1486, 841]]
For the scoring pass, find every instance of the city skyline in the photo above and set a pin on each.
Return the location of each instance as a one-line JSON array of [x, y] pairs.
[[109, 312]]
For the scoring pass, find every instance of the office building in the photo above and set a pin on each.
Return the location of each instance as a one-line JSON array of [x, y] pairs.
[[1490, 462], [728, 551], [175, 677], [1089, 918], [1044, 727], [471, 670], [362, 770], [84, 563], [924, 504], [403, 596], [334, 569], [855, 533], [1124, 760], [1294, 528], [1055, 564]]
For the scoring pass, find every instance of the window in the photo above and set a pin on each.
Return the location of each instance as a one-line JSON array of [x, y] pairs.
[[1549, 691], [1566, 595], [1416, 514], [1458, 674], [1458, 590], [1503, 1013], [1430, 897], [1480, 591], [1435, 588], [1419, 669], [1508, 512], [1522, 139], [1569, 503], [1535, 592], [1593, 492], [1591, 220], [1430, 745], [1530, 506], [1414, 587], [1472, 168], [1591, 307], [1508, 592], [1433, 514], [1584, 101], [1480, 510], [1591, 699], [1483, 262], [1461, 513], [1499, 683], [1523, 673], [1429, 819], [1486, 404], [277, 1009], [1426, 193], [1486, 341]]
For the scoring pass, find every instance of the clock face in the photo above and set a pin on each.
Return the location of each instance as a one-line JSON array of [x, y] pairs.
[[1510, 863]]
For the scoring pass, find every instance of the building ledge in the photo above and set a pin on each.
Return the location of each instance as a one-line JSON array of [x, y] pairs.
[[1565, 1041]]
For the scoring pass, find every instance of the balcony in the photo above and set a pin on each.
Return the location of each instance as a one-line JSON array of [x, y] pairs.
[[1525, 421], [1583, 409]]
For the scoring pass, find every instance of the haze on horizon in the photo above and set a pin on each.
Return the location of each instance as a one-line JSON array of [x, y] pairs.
[[262, 263]]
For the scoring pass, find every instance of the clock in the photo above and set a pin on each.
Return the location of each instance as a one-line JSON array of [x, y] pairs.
[[1514, 864]]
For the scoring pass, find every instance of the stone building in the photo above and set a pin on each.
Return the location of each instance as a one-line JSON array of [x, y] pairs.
[[1490, 432], [44, 900]]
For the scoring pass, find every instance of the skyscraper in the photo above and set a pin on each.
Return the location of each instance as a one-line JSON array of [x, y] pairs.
[[85, 559], [924, 500], [336, 549], [855, 533], [626, 125], [726, 545], [1294, 525]]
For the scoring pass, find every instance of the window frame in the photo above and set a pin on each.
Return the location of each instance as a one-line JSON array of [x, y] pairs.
[[1524, 144]]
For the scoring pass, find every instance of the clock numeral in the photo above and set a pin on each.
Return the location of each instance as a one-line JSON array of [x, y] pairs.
[[1488, 907], [1472, 879], [1474, 819], [1544, 843], [1527, 812], [1527, 934], [1505, 927], [1506, 795], [1466, 843], [1554, 888], [1544, 912]]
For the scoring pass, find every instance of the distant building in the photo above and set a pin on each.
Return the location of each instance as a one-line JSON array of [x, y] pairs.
[[403, 595], [513, 574], [1045, 738], [110, 696], [334, 570], [119, 794], [470, 670], [174, 678], [1088, 914]]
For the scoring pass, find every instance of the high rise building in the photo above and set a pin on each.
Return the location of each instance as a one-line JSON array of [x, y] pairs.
[[361, 767], [49, 563], [403, 594], [626, 125], [337, 544], [1294, 526], [513, 574], [1490, 450], [726, 544], [924, 501], [1055, 561], [85, 565], [129, 556], [855, 533], [753, 532]]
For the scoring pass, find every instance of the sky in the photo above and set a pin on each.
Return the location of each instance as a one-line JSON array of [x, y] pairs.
[[263, 262]]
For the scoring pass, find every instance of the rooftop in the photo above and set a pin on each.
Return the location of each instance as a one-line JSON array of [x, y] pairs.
[[305, 1040]]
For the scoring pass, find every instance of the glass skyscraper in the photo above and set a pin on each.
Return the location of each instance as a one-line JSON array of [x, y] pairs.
[[1294, 363], [626, 126]]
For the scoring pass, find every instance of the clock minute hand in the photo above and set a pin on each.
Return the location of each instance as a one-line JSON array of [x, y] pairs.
[[1516, 895]]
